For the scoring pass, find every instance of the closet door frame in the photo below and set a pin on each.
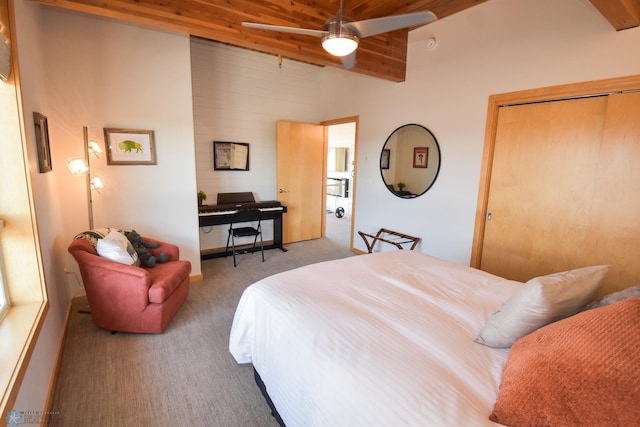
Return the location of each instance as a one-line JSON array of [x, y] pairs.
[[574, 90]]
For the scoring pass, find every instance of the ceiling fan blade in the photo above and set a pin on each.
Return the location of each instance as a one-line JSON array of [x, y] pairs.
[[295, 30], [349, 61], [371, 27]]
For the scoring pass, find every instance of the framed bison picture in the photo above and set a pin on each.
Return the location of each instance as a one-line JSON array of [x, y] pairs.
[[130, 147]]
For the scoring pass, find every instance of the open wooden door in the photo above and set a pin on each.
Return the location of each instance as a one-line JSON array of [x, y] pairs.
[[300, 179]]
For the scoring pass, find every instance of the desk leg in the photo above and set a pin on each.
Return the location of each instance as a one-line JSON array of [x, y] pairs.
[[277, 233]]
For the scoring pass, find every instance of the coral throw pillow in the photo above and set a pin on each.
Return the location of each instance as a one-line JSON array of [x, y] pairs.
[[583, 370]]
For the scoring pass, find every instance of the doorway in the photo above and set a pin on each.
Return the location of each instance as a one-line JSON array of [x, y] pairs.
[[340, 182]]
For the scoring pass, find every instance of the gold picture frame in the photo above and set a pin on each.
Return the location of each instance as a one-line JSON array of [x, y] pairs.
[[130, 146]]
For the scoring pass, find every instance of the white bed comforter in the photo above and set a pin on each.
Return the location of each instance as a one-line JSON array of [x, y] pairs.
[[384, 339]]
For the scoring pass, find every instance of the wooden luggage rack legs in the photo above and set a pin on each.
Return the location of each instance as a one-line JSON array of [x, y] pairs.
[[388, 236]]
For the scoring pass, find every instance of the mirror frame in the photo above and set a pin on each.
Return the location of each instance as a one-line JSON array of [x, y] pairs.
[[385, 151]]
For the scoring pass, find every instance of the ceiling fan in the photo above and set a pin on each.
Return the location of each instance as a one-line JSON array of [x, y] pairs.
[[341, 34]]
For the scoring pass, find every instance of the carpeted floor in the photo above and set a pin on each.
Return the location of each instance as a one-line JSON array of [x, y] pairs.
[[186, 375], [338, 229]]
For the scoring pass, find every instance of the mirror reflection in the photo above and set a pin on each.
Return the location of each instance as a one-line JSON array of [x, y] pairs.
[[410, 161], [337, 159]]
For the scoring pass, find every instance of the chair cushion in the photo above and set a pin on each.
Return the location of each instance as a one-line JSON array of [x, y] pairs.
[[165, 278]]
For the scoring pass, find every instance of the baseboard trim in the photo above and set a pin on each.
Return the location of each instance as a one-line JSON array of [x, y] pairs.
[[56, 369]]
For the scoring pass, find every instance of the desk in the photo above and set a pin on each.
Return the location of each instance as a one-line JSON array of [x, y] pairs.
[[388, 236], [244, 216]]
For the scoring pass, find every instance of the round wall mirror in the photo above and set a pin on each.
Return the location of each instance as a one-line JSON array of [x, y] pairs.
[[410, 161]]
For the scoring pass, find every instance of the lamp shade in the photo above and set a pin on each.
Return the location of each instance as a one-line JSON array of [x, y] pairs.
[[94, 148], [77, 166], [339, 44], [96, 183]]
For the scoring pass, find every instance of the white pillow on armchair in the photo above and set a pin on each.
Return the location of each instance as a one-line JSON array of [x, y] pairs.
[[116, 247]]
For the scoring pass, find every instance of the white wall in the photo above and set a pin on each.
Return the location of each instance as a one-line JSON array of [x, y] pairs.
[[80, 70], [238, 95], [110, 74], [496, 47], [38, 376]]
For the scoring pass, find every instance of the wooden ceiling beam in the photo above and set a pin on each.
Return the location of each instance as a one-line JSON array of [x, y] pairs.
[[621, 14]]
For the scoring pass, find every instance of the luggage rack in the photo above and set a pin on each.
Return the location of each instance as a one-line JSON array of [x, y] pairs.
[[388, 236]]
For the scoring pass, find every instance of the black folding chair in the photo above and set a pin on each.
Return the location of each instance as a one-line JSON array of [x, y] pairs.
[[245, 231]]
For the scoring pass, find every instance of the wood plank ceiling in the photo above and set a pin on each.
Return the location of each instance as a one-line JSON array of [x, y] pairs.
[[382, 56]]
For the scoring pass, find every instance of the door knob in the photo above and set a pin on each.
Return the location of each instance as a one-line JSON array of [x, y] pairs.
[[282, 191]]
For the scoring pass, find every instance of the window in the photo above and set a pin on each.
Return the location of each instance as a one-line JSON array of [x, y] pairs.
[[20, 268]]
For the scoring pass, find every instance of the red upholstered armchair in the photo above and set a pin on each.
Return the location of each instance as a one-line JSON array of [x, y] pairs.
[[127, 298]]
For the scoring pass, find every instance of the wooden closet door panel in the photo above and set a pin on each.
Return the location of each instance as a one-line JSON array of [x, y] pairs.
[[542, 183], [614, 229]]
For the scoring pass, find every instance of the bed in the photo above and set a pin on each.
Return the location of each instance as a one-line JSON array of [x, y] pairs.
[[382, 339]]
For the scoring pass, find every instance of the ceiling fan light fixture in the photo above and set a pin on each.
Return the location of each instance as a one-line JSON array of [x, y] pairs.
[[340, 44]]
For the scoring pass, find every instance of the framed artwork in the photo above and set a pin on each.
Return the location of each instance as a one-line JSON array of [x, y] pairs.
[[420, 157], [230, 156], [384, 159], [42, 142], [130, 147]]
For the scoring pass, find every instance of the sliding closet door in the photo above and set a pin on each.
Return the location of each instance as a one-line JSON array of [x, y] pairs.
[[541, 187], [614, 231]]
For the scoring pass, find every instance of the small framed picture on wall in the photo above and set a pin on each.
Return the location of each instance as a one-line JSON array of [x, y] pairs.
[[130, 147], [42, 142], [230, 156], [384, 159], [420, 157]]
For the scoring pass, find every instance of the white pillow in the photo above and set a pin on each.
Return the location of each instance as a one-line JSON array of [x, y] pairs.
[[540, 301], [116, 247], [633, 291]]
